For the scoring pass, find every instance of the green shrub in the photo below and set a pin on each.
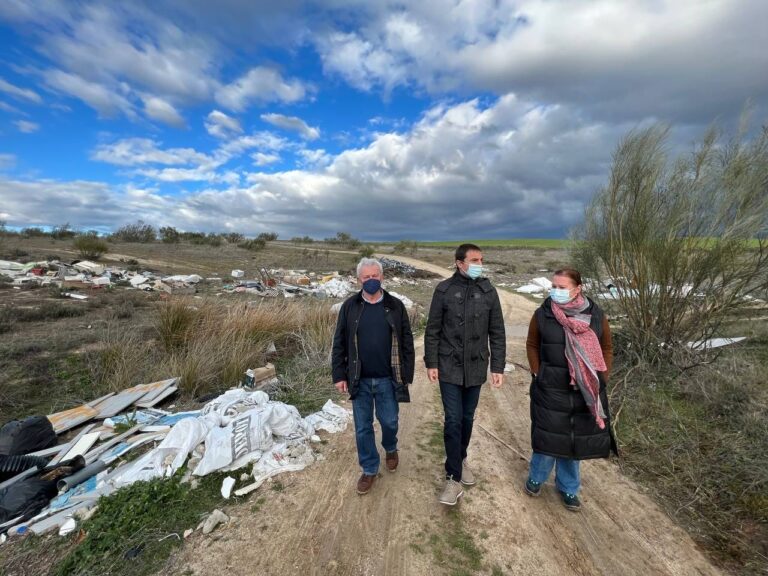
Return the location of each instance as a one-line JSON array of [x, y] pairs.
[[254, 244], [90, 247]]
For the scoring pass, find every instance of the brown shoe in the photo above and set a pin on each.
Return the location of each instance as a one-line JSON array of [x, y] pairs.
[[364, 484], [392, 460]]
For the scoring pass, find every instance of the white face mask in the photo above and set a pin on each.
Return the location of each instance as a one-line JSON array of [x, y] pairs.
[[560, 295]]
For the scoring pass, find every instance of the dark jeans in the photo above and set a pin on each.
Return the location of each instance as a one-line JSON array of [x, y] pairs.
[[459, 403]]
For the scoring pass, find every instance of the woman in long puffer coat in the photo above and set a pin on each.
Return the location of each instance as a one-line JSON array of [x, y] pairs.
[[570, 354]]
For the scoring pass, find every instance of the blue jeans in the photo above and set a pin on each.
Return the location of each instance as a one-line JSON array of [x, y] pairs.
[[378, 394], [459, 403], [566, 476]]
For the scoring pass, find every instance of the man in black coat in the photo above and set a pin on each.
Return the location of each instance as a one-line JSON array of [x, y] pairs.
[[373, 360], [464, 319]]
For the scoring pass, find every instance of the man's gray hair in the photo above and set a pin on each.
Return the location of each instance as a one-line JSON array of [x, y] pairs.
[[366, 262]]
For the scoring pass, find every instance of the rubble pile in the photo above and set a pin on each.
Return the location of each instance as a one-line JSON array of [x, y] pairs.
[[48, 484], [87, 274]]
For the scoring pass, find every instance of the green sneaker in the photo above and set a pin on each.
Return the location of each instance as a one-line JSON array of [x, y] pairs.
[[532, 488], [571, 501]]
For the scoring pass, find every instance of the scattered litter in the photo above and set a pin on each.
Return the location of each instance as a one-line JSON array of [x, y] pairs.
[[337, 288], [239, 427], [714, 343], [509, 367], [214, 519], [537, 285], [237, 273], [75, 296], [407, 302], [68, 527], [226, 487], [259, 377]]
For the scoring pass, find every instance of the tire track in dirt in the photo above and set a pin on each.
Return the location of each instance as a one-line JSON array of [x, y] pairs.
[[318, 525]]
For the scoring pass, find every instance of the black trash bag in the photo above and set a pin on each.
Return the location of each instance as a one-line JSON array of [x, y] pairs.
[[24, 436], [27, 497], [10, 466]]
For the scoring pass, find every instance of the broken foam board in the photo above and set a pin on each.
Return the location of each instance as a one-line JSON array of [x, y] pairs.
[[82, 446]]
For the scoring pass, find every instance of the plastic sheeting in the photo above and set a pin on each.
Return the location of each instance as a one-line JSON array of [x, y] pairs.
[[235, 429], [171, 453]]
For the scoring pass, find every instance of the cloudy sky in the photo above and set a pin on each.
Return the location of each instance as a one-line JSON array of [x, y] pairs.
[[428, 119]]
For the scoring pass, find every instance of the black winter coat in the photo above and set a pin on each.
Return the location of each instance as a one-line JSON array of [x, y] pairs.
[[464, 318], [561, 423], [344, 359]]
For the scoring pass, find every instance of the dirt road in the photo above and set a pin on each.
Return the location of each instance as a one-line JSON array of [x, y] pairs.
[[314, 523]]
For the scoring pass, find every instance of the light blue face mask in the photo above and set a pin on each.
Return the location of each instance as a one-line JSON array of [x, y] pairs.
[[560, 295], [474, 271]]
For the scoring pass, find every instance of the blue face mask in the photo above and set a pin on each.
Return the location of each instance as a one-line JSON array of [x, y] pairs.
[[372, 285], [474, 271], [560, 295]]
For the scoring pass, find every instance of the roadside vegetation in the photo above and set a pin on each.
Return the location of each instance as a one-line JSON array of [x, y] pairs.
[[685, 243]]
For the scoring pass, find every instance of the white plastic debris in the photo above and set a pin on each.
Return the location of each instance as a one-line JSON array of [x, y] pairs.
[[248, 435], [332, 418], [237, 273], [337, 288], [407, 302], [68, 527], [138, 280], [714, 343], [171, 453], [188, 279], [226, 487]]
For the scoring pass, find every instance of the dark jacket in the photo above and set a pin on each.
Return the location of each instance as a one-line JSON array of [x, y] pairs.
[[464, 318], [561, 423], [344, 361]]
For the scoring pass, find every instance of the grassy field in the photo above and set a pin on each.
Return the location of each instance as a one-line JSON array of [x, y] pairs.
[[511, 243]]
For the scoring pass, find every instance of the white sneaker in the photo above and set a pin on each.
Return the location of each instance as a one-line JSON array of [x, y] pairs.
[[451, 493], [467, 476]]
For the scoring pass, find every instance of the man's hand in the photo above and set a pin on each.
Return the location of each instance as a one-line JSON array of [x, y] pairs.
[[432, 374], [497, 379], [341, 386]]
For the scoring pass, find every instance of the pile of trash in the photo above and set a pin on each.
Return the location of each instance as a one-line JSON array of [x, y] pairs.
[[48, 486], [82, 274], [292, 283], [392, 265]]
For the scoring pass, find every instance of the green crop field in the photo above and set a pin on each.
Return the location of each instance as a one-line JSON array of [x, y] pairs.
[[504, 243]]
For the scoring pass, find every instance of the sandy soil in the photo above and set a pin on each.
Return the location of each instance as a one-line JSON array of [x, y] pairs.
[[317, 524]]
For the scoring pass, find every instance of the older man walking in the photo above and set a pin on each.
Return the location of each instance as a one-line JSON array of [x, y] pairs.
[[373, 360], [464, 318]]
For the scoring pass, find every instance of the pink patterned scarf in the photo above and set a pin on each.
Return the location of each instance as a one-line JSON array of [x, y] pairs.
[[583, 352]]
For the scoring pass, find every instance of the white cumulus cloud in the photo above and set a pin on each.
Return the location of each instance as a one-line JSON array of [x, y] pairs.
[[162, 111], [260, 85], [222, 126]]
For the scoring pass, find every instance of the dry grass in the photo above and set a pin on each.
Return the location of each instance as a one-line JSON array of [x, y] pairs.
[[699, 440], [210, 345]]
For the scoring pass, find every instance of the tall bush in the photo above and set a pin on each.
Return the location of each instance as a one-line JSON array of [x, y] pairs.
[[684, 240]]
